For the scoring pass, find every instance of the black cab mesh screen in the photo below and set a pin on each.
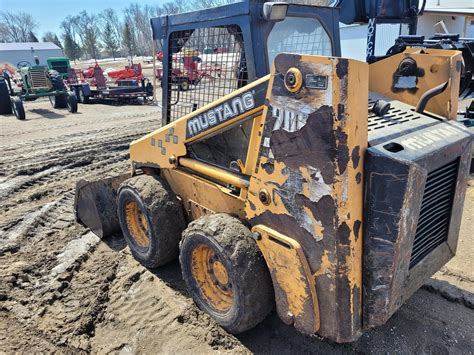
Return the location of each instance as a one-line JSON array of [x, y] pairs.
[[206, 64]]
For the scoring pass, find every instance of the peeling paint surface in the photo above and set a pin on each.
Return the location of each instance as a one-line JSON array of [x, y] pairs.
[[310, 161]]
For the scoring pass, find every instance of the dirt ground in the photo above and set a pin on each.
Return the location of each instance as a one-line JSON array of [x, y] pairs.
[[62, 289]]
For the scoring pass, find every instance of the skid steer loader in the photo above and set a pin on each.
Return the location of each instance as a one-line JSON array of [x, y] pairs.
[[328, 187]]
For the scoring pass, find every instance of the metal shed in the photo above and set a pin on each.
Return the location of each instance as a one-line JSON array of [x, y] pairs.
[[13, 53]]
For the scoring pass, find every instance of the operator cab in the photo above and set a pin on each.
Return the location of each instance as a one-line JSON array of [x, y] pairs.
[[210, 53]]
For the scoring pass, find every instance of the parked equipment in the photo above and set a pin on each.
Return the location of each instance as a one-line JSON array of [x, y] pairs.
[[131, 72], [189, 70], [130, 84], [316, 187], [35, 81]]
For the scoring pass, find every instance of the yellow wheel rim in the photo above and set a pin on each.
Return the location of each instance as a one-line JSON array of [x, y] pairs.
[[212, 279], [137, 224]]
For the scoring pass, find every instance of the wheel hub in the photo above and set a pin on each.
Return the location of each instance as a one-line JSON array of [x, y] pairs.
[[137, 224], [212, 278]]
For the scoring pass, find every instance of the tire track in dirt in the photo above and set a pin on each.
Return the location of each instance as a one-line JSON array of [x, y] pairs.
[[79, 124], [50, 274], [9, 163], [145, 315]]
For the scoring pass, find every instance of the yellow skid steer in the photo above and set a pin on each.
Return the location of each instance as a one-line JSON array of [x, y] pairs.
[[329, 188]]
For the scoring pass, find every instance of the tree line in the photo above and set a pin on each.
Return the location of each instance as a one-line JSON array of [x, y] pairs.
[[93, 35]]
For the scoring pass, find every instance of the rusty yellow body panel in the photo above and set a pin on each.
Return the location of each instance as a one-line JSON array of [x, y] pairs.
[[310, 147], [295, 295], [156, 149], [201, 196], [408, 75], [300, 182]]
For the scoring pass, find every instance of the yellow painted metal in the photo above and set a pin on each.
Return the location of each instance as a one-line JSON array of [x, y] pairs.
[[438, 66], [349, 92], [254, 142], [295, 294], [197, 210], [212, 278], [312, 250], [214, 172], [137, 224], [193, 189], [298, 80], [172, 137]]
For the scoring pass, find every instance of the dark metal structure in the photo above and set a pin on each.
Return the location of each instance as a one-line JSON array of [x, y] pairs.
[[242, 45], [442, 41]]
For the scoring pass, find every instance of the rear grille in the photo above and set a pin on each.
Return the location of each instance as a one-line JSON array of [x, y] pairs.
[[435, 214], [39, 79]]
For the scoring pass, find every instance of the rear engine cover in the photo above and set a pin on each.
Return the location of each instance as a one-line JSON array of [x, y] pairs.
[[416, 174]]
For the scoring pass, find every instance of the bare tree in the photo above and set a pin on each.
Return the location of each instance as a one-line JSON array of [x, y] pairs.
[[128, 40], [109, 16], [204, 4], [16, 27], [52, 37], [111, 44]]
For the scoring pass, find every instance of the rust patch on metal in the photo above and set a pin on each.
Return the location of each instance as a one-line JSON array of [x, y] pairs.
[[355, 156], [356, 229], [342, 68], [343, 150], [341, 111], [343, 233], [324, 211], [268, 167], [252, 206], [358, 178], [312, 145]]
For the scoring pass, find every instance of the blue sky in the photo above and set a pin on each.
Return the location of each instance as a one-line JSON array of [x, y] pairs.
[[49, 13]]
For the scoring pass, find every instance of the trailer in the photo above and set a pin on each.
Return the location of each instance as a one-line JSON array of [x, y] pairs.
[[91, 84]]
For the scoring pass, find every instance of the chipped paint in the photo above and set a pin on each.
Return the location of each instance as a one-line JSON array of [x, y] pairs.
[[314, 186], [295, 295], [316, 180]]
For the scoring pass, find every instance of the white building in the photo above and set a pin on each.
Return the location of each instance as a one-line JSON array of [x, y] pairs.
[[13, 53], [440, 16], [447, 16]]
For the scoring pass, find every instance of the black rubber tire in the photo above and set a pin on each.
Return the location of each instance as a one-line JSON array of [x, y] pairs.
[[164, 214], [5, 102], [81, 97], [231, 241], [18, 108], [59, 101], [71, 102]]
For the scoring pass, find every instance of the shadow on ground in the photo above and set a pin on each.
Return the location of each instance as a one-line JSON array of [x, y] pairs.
[[47, 113]]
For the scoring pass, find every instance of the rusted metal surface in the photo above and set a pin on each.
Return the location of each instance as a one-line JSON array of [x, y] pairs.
[[95, 204], [393, 199], [407, 76], [295, 294], [310, 161]]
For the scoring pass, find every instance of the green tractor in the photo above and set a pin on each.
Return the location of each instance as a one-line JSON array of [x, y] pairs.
[[36, 81], [60, 64]]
